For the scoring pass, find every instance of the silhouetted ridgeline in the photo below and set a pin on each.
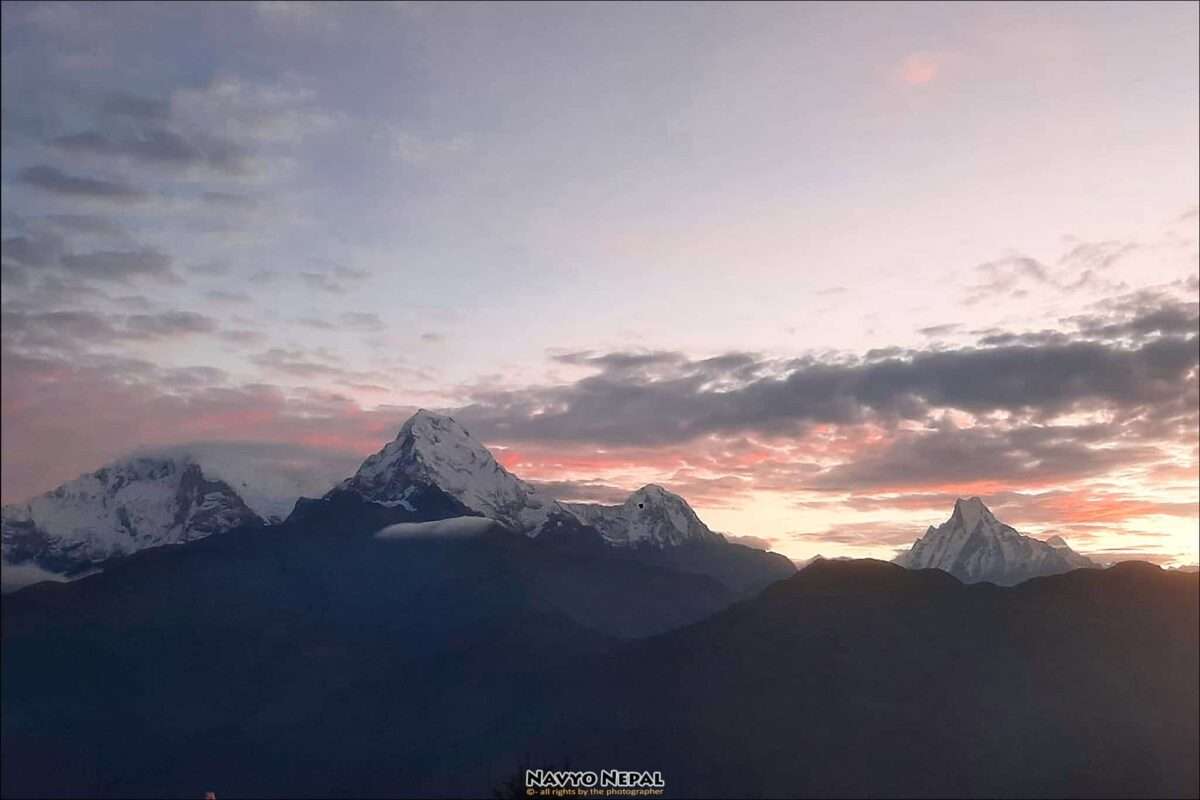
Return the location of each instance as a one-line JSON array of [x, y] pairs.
[[307, 661]]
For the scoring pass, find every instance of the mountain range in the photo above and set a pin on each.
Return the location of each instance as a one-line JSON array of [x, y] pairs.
[[432, 624], [433, 469], [120, 509]]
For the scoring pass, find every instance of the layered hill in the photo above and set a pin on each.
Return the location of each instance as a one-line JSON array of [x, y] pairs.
[[317, 663], [864, 679]]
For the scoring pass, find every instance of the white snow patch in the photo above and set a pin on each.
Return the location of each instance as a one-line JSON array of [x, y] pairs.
[[452, 528], [18, 576], [651, 515]]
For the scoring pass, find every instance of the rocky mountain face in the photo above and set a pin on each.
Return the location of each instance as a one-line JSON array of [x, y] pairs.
[[974, 546], [127, 506]]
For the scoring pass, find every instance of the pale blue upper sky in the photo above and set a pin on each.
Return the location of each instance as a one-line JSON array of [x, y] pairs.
[[406, 203]]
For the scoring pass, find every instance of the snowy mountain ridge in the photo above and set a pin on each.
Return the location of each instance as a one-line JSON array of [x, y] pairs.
[[179, 495], [650, 516], [974, 546], [432, 450], [122, 508]]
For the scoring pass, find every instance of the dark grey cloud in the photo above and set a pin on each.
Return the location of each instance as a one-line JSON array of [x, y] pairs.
[[312, 364], [229, 200], [160, 146], [33, 251], [321, 282], [317, 323], [947, 456], [211, 268], [1098, 255], [939, 330], [334, 280], [123, 104], [361, 321], [243, 336], [1028, 339], [86, 223], [170, 323], [196, 377], [78, 332], [59, 331], [331, 278], [1081, 268], [223, 296], [656, 398], [52, 179], [620, 361], [1004, 275], [13, 277], [350, 274], [1139, 315], [120, 264], [883, 353]]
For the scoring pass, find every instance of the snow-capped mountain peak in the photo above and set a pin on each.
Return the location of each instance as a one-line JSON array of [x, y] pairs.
[[124, 507], [435, 451], [650, 516], [429, 446], [972, 545], [971, 512]]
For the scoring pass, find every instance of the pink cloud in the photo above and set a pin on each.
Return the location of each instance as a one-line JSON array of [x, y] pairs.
[[920, 68], [62, 420]]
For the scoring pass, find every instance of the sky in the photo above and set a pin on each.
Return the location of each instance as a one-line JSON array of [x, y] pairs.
[[819, 268]]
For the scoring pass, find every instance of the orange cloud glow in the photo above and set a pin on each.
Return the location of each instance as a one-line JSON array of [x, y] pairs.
[[919, 68]]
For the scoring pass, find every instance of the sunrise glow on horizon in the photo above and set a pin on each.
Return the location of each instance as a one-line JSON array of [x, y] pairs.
[[820, 269]]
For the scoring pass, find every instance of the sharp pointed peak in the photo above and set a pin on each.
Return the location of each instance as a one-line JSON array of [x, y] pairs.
[[424, 422], [425, 415], [970, 511]]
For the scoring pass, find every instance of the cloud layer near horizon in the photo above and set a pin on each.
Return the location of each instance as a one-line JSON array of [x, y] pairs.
[[1070, 430]]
